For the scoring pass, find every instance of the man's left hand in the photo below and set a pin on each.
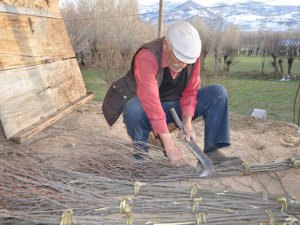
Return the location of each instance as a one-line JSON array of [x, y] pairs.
[[189, 132]]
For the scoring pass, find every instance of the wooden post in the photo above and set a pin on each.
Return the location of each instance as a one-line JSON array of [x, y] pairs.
[[161, 16]]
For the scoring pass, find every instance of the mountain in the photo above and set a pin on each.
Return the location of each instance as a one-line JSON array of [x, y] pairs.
[[248, 16]]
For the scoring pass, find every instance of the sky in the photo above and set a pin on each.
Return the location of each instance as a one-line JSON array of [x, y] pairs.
[[213, 2]]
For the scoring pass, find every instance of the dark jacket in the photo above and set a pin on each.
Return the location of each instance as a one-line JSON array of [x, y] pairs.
[[124, 88]]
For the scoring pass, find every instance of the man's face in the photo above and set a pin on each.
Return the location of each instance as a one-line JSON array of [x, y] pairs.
[[174, 64]]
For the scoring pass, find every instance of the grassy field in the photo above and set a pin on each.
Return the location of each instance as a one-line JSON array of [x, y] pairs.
[[94, 81], [253, 64], [276, 97]]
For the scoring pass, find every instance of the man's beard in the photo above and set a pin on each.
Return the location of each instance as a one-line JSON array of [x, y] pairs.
[[174, 67]]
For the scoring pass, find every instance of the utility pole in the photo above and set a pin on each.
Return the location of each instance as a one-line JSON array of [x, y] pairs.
[[161, 18]]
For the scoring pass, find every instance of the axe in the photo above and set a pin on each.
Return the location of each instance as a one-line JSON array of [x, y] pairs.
[[208, 166]]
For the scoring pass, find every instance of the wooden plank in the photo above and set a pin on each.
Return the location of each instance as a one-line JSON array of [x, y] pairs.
[[47, 5], [39, 126], [27, 41], [28, 11], [30, 94]]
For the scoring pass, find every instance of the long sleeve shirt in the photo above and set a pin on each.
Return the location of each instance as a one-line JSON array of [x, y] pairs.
[[145, 71]]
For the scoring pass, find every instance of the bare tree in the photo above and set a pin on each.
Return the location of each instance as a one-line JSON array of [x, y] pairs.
[[293, 50], [206, 39], [129, 31], [273, 47], [230, 46], [78, 26], [107, 32], [217, 44], [263, 38], [280, 62], [284, 45]]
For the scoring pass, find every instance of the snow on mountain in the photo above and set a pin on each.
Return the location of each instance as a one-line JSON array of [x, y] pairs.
[[250, 16]]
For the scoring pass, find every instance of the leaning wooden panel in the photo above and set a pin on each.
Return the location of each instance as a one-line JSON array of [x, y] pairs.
[[31, 40], [28, 95], [37, 127]]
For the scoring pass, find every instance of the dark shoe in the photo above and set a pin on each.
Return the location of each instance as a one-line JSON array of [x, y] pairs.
[[218, 157]]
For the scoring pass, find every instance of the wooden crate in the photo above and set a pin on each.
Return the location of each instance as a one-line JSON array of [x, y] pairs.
[[40, 80]]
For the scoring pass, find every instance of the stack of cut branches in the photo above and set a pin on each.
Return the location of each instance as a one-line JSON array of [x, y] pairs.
[[120, 165], [35, 191]]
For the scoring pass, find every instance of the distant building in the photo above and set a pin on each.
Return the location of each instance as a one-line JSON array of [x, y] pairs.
[[288, 46]]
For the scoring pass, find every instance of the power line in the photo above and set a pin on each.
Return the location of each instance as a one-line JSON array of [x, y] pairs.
[[184, 10]]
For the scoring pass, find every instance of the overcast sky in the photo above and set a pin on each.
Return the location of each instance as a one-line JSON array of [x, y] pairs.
[[212, 2]]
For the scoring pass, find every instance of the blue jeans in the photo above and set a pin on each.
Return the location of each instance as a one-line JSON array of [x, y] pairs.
[[212, 105]]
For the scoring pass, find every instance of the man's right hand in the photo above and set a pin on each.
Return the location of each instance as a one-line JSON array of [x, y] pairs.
[[177, 156]]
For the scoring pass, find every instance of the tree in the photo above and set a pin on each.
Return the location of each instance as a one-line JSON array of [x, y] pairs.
[[217, 42], [78, 27], [206, 39], [230, 46], [106, 32], [263, 39], [273, 48], [292, 53]]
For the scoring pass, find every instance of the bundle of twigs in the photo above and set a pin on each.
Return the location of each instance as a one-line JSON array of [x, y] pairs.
[[155, 167], [109, 156], [34, 191]]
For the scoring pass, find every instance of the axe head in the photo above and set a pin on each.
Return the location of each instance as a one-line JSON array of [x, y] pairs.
[[207, 172]]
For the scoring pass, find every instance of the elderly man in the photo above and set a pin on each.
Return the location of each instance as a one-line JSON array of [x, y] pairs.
[[165, 73]]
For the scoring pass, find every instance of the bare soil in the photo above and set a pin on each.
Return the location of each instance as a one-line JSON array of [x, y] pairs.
[[255, 141]]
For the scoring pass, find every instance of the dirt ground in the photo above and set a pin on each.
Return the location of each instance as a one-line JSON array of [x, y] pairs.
[[255, 141]]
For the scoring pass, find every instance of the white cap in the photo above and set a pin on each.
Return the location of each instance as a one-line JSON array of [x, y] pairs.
[[185, 41]]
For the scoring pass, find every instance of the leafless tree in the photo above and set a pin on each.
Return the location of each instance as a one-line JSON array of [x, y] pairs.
[[217, 42], [107, 32], [293, 49], [230, 46], [283, 45], [263, 38], [206, 39], [274, 49], [78, 26], [280, 62]]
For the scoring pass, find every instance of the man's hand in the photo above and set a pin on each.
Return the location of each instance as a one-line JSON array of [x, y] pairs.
[[189, 132], [177, 156]]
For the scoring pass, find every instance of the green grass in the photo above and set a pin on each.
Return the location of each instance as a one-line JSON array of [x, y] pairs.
[[94, 81], [276, 97], [254, 63]]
